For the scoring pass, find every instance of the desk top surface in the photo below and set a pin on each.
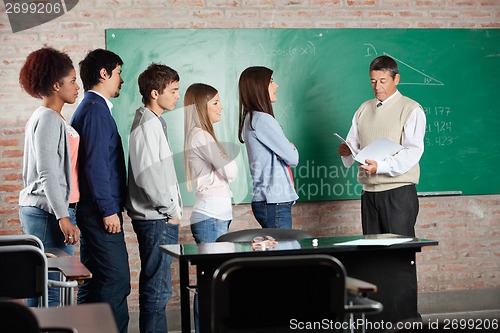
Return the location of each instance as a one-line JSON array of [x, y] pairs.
[[86, 318], [70, 266], [307, 245]]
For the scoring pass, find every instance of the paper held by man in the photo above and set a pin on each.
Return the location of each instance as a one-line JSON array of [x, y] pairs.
[[378, 150]]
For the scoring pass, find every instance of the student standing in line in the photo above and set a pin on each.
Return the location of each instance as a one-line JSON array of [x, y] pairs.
[[154, 202], [270, 154], [389, 202], [102, 187], [50, 194], [206, 163]]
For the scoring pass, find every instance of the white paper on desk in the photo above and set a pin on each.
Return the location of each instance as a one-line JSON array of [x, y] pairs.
[[378, 150], [376, 242], [353, 150]]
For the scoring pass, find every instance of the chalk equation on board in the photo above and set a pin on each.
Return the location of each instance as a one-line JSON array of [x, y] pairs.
[[427, 80], [307, 49], [303, 49]]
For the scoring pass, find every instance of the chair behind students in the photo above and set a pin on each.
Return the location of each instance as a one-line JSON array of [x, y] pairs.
[[25, 274], [31, 240], [24, 239]]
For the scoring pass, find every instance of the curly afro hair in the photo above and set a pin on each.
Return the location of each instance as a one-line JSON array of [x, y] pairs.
[[42, 69]]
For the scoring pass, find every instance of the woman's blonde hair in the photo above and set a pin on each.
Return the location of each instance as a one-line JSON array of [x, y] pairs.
[[196, 101]]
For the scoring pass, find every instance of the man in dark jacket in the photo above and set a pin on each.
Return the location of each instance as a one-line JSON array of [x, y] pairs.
[[102, 180]]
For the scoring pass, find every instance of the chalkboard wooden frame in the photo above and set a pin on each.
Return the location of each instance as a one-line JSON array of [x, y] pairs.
[[323, 78]]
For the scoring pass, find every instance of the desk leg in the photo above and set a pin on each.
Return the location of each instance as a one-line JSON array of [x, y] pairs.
[[185, 297]]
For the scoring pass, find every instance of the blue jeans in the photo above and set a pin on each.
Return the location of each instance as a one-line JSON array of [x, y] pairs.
[[105, 255], [275, 215], [42, 224], [205, 229], [155, 279]]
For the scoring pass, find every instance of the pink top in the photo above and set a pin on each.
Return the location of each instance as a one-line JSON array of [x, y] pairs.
[[74, 142]]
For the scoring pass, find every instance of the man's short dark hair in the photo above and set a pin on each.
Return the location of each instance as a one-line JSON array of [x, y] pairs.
[[155, 77], [384, 63], [92, 64]]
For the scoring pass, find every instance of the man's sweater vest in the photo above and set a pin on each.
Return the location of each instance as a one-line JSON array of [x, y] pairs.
[[385, 122]]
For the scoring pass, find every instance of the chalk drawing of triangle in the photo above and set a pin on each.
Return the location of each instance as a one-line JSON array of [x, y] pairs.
[[416, 77]]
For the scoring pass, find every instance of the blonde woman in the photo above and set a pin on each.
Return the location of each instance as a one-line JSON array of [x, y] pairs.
[[207, 165]]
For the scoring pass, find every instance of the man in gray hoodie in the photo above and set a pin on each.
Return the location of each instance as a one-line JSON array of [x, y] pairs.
[[154, 203]]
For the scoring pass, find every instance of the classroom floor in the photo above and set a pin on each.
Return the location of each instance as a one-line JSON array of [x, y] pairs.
[[477, 316]]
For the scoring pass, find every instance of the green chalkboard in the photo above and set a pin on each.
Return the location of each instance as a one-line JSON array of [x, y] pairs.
[[323, 78]]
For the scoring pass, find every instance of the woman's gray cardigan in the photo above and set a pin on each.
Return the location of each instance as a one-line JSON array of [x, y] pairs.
[[46, 163]]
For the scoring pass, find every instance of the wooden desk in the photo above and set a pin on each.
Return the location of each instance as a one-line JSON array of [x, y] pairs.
[[391, 268], [51, 252], [358, 286], [86, 318], [71, 269]]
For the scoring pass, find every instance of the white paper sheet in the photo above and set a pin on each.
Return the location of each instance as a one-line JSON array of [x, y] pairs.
[[353, 150], [378, 150], [376, 242]]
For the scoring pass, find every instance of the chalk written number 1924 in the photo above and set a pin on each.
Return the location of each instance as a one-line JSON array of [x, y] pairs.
[[439, 127]]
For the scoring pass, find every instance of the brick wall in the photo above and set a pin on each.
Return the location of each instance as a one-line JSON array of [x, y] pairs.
[[468, 228]]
